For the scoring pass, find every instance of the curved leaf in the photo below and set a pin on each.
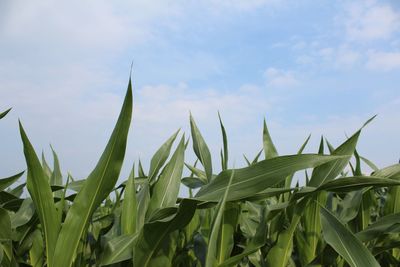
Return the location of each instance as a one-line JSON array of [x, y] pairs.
[[345, 242], [260, 176]]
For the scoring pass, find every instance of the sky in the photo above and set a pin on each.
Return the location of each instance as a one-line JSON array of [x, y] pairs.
[[308, 67]]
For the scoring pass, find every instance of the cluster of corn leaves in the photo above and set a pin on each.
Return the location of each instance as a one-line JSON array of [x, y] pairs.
[[252, 216]]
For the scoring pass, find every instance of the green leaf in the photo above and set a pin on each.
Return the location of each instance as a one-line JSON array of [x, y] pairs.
[[129, 206], [143, 198], [36, 252], [4, 113], [118, 249], [384, 225], [56, 176], [211, 258], [159, 158], [156, 230], [331, 170], [269, 147], [97, 186], [227, 230], [24, 214], [5, 225], [166, 190], [345, 242], [347, 184], [201, 149], [255, 243], [260, 176], [192, 182], [40, 191], [224, 151], [6, 182]]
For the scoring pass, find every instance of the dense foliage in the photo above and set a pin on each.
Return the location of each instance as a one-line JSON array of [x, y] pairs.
[[252, 216]]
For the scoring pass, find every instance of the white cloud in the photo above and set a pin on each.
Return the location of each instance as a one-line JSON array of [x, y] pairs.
[[383, 61], [346, 57], [370, 20], [240, 5], [281, 78]]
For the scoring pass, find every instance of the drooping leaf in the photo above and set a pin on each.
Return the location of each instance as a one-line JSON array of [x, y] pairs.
[[260, 176], [345, 242], [384, 225]]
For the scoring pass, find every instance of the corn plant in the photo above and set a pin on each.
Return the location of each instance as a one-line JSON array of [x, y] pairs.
[[257, 215]]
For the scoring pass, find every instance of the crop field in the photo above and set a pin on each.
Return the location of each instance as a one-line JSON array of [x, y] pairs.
[[252, 216]]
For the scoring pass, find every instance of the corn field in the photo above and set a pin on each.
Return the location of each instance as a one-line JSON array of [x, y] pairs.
[[251, 216]]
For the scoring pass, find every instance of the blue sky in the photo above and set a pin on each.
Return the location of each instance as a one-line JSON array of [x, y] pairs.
[[319, 67]]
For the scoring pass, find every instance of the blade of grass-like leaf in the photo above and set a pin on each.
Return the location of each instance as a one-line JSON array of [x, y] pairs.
[[40, 191], [56, 176], [345, 242], [255, 243], [384, 225], [199, 173], [289, 179], [97, 186], [46, 167], [280, 254], [143, 198], [6, 182], [201, 149], [159, 158], [129, 206], [155, 231], [369, 163], [269, 147], [5, 225], [140, 169], [227, 230], [192, 182], [224, 152], [255, 160], [347, 184], [166, 189], [118, 249], [330, 170], [18, 190], [24, 214], [36, 252], [260, 176], [4, 113], [211, 258]]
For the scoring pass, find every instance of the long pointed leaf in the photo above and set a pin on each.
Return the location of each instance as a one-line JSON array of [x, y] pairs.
[[260, 176], [97, 186], [40, 191], [345, 242]]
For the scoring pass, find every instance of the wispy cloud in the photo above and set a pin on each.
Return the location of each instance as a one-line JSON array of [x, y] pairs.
[[281, 78], [370, 20], [383, 61]]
